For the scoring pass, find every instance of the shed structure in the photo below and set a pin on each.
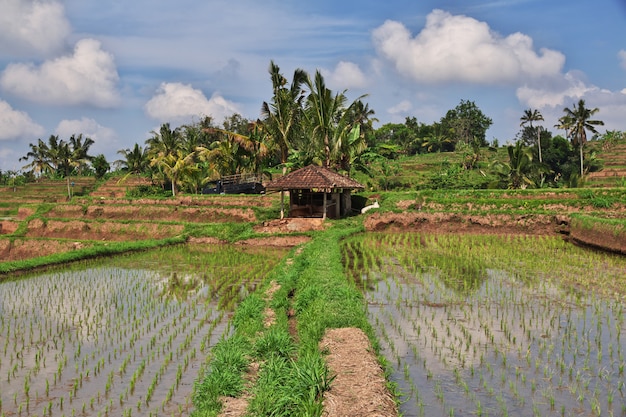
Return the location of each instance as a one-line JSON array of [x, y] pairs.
[[315, 191]]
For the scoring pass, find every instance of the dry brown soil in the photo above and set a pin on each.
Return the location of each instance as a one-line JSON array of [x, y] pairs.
[[359, 388]]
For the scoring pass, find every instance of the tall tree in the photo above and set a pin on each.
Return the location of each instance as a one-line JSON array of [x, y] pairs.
[[530, 116], [40, 155], [331, 124], [175, 165], [163, 150], [577, 121], [135, 160], [100, 165], [466, 123], [80, 151], [166, 141], [282, 117]]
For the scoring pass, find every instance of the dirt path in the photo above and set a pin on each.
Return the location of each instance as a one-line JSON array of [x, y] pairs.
[[359, 388]]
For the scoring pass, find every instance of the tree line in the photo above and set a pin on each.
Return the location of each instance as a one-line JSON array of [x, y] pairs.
[[305, 122]]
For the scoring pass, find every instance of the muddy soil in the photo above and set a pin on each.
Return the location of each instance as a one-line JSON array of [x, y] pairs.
[[109, 231], [289, 225], [151, 212], [598, 238], [456, 223], [21, 249]]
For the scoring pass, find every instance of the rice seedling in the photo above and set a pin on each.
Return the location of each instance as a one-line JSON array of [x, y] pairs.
[[124, 330], [509, 322]]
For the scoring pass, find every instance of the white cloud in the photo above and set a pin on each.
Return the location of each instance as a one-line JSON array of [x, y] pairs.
[[179, 102], [16, 124], [105, 139], [557, 92], [89, 76], [85, 126], [28, 26], [346, 75], [622, 58], [565, 91], [460, 48], [401, 108]]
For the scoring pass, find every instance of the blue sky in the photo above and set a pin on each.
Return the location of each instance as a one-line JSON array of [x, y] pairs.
[[115, 70]]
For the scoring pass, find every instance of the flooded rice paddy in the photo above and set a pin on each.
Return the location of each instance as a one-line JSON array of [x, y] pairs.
[[498, 326], [120, 337]]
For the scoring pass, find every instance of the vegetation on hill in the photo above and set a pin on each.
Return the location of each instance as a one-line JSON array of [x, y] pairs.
[[305, 122]]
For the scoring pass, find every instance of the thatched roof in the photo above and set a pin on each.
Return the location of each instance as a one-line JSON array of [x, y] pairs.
[[311, 177]]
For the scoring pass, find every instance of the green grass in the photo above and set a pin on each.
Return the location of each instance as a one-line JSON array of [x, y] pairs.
[[292, 374]]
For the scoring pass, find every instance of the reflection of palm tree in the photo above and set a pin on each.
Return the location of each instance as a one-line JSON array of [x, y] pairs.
[[577, 121], [529, 117]]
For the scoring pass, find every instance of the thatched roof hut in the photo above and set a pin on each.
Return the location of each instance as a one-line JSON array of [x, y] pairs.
[[315, 191]]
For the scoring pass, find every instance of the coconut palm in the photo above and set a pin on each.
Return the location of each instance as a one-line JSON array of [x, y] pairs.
[[40, 155], [282, 117], [577, 121], [80, 151], [331, 125], [174, 165], [166, 141], [135, 160], [530, 116]]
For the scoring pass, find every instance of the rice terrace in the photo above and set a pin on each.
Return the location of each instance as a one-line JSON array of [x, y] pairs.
[[469, 303]]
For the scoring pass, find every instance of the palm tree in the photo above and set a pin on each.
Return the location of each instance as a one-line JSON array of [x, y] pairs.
[[163, 147], [322, 111], [80, 151], [135, 160], [40, 155], [577, 121], [66, 163], [165, 141], [530, 116], [175, 165], [517, 171], [282, 117], [234, 153], [332, 125]]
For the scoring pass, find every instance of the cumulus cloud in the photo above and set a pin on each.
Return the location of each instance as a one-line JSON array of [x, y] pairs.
[[622, 58], [558, 91], [16, 124], [87, 127], [346, 75], [32, 26], [565, 91], [401, 108], [105, 139], [179, 102], [460, 48], [88, 76]]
